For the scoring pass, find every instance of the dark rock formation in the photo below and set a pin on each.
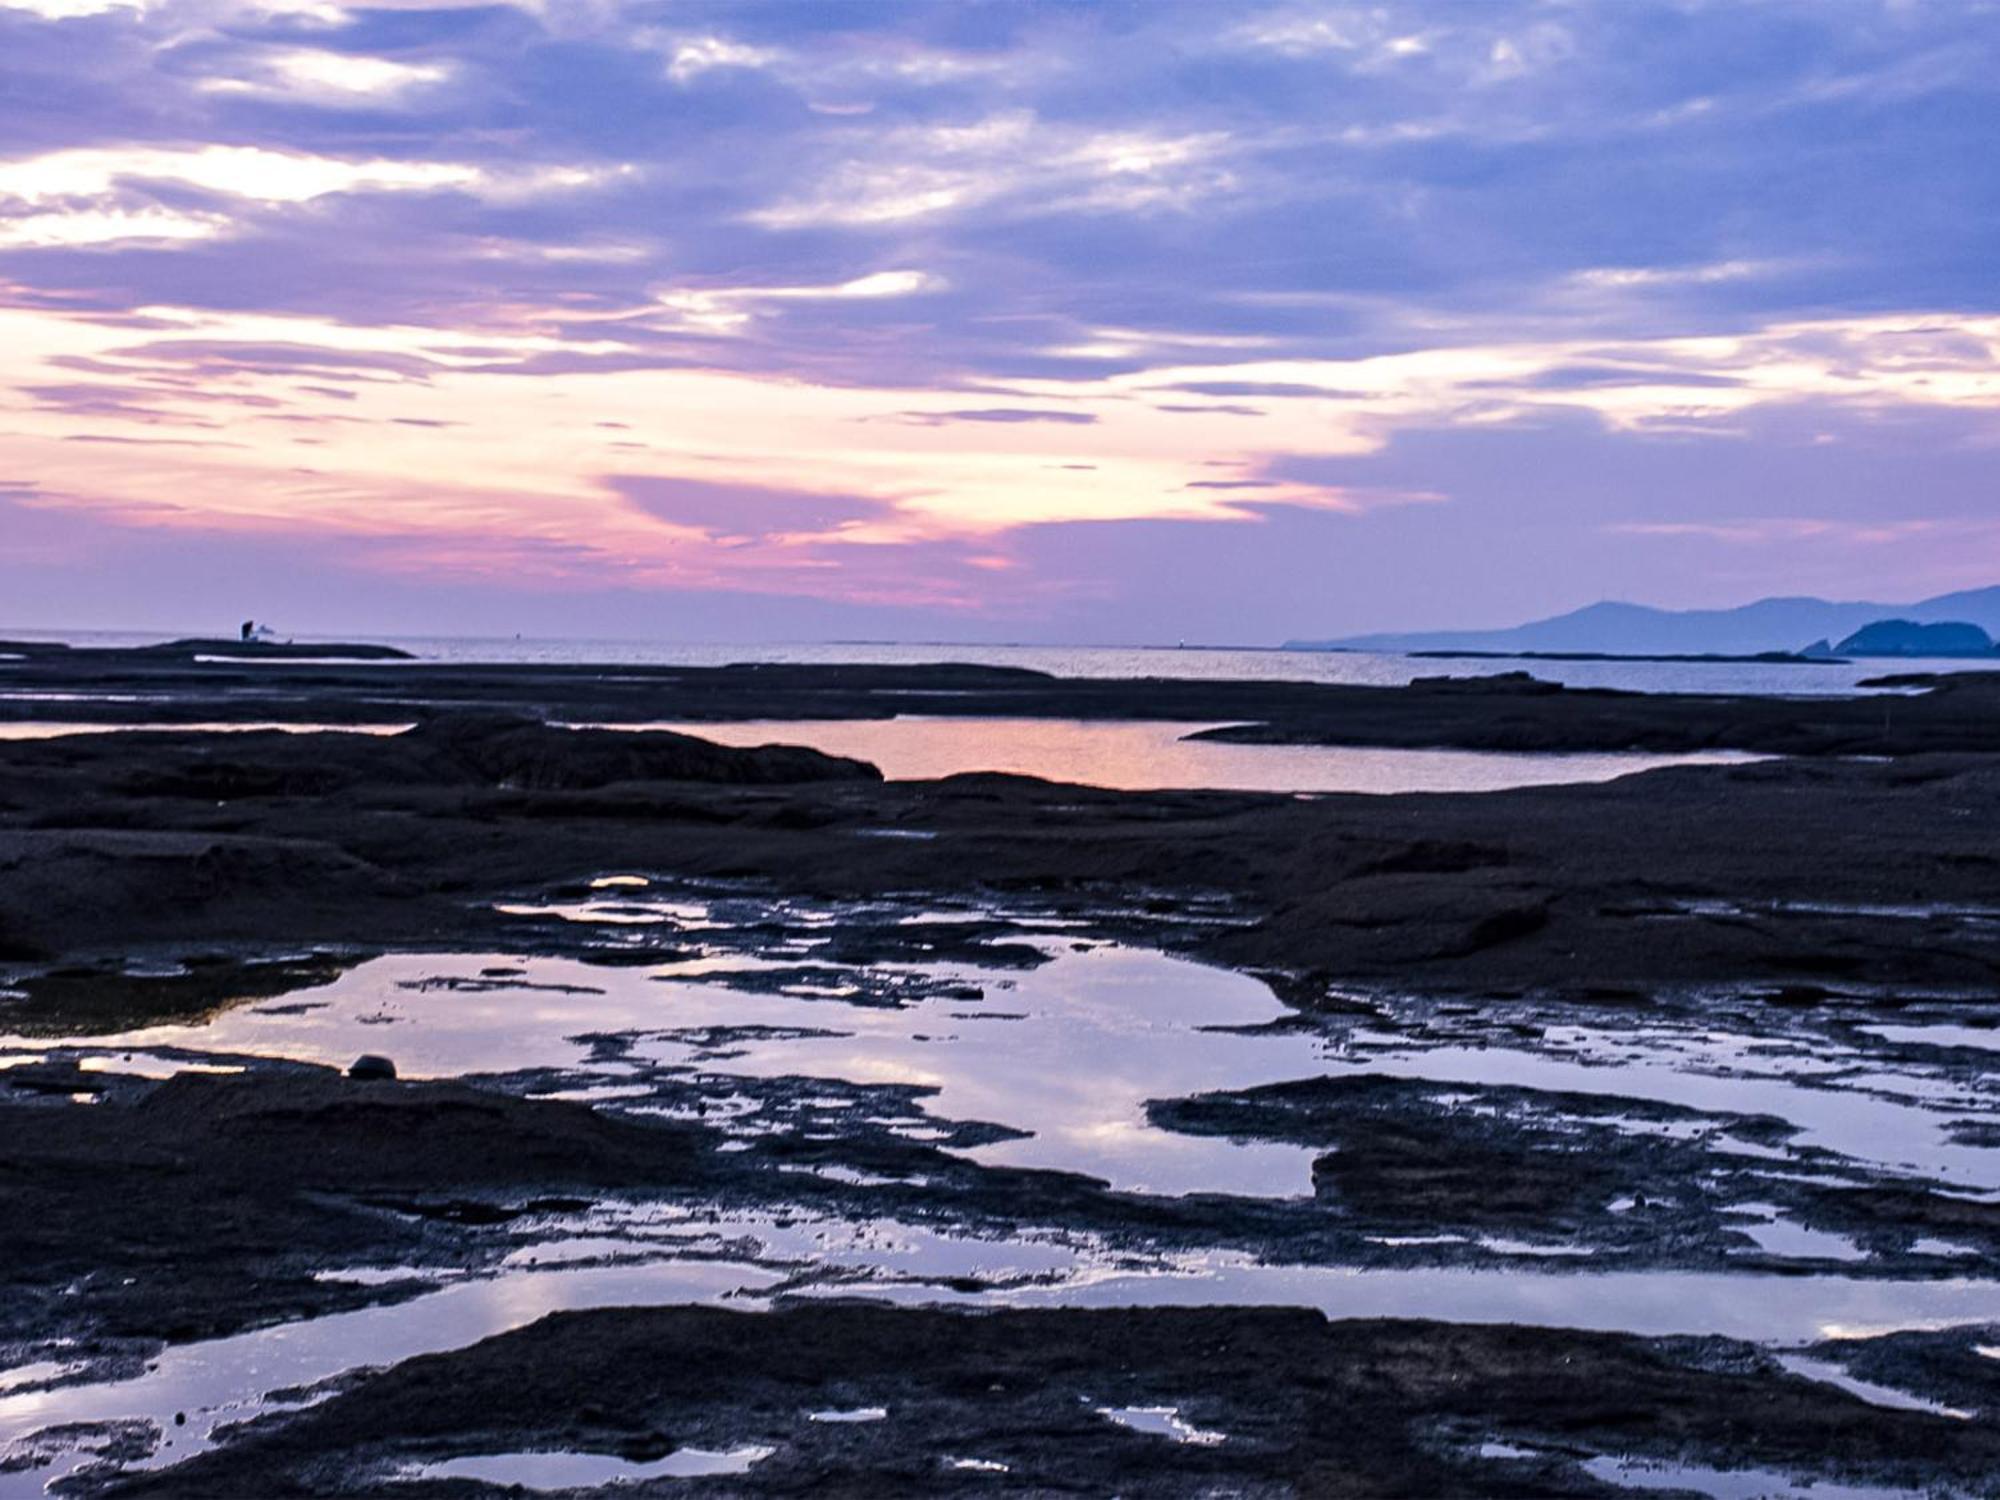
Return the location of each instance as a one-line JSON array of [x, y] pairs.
[[1908, 638], [510, 750]]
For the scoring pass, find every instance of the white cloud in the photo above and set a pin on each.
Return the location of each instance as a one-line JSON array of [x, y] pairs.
[[729, 309], [85, 227], [192, 13], [1534, 49], [1303, 33], [531, 183], [1621, 278], [688, 58], [91, 197], [923, 172], [65, 10], [250, 172], [1364, 40], [838, 81], [317, 77]]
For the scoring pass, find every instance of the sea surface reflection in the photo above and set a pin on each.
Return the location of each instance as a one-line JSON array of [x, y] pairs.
[[1153, 755]]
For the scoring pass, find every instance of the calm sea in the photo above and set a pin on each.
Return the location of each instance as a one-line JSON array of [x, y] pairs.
[[1367, 668]]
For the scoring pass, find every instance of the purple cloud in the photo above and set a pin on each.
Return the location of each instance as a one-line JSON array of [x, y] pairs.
[[1002, 414], [741, 512]]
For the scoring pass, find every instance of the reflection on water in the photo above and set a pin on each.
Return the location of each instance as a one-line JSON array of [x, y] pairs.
[[226, 1380], [1897, 1120], [578, 1471], [1731, 1484], [49, 730], [1070, 1051], [1829, 1373], [1162, 1421], [222, 1381], [1140, 755]]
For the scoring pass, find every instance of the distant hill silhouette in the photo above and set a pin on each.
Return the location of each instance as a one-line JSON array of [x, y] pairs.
[[1908, 638], [1638, 629]]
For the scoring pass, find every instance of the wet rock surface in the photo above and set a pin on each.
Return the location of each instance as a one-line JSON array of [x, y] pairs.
[[205, 1204], [1406, 1157], [1297, 1405], [1512, 711], [273, 1172], [1729, 1023], [1792, 875]]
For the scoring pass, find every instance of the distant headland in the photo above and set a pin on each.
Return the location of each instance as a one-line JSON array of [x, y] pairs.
[[1769, 629], [220, 646]]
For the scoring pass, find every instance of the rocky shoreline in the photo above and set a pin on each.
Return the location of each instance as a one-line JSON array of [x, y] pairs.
[[165, 879], [215, 682]]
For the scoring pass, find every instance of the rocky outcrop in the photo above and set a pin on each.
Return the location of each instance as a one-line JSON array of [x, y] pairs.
[[1908, 638], [506, 750]]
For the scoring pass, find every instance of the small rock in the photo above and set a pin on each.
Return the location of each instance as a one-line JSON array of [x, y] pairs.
[[371, 1065]]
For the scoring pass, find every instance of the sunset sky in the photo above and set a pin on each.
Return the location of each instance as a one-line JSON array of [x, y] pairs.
[[1101, 322]]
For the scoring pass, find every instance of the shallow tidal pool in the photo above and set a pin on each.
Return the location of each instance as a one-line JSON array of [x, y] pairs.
[[1059, 1044]]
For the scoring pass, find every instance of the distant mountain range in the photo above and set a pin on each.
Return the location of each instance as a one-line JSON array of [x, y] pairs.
[[1639, 630]]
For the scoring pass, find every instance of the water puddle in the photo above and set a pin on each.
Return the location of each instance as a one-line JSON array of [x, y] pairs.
[[1157, 755], [1068, 1052], [192, 1389], [1731, 1484], [1779, 1236], [49, 730], [1141, 1019], [1826, 1372], [696, 1256], [1985, 1038], [1063, 1039], [1897, 1120], [41, 1372], [578, 1471], [1162, 1421]]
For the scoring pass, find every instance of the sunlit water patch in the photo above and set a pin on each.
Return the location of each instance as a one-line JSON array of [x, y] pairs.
[[192, 1389], [1067, 1053], [1154, 755], [580, 1471], [1070, 1051], [1890, 1114], [1646, 1476], [55, 729], [1162, 1421], [743, 1261]]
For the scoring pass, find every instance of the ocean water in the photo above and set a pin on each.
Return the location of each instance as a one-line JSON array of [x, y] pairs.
[[1365, 668]]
